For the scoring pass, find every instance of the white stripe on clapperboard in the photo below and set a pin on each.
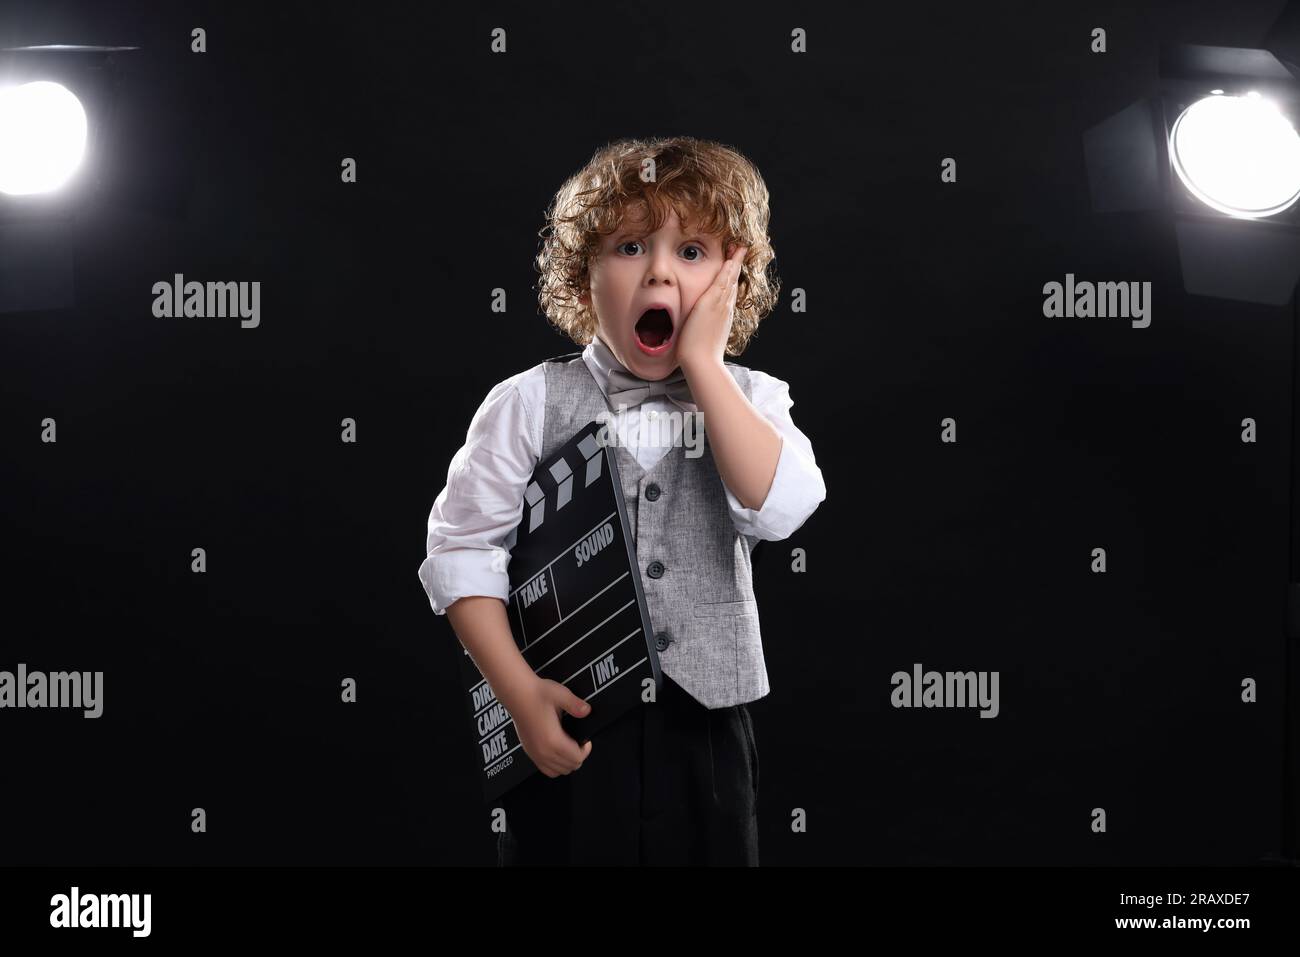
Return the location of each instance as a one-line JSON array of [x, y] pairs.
[[607, 684], [482, 681], [575, 641], [565, 682], [563, 619], [554, 594]]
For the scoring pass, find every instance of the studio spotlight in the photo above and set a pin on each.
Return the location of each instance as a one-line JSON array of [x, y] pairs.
[[56, 121], [42, 137], [1216, 148], [1237, 154]]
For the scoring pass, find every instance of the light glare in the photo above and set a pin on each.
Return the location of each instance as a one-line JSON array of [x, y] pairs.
[[1239, 155], [42, 137]]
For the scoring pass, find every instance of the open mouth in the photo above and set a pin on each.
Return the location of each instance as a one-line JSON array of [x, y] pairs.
[[654, 331]]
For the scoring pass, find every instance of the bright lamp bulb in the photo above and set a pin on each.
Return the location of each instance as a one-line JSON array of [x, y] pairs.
[[1237, 154], [42, 137]]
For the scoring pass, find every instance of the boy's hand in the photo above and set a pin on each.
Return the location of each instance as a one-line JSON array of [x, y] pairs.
[[536, 712], [705, 331]]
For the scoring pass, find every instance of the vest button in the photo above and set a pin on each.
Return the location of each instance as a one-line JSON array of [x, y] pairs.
[[652, 492], [662, 641], [655, 569]]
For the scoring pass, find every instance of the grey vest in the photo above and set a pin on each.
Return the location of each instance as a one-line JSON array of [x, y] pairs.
[[695, 565]]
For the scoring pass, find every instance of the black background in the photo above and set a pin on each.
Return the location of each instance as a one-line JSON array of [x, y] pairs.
[[222, 690]]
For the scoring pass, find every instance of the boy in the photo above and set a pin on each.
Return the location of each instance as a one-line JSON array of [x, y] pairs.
[[676, 780]]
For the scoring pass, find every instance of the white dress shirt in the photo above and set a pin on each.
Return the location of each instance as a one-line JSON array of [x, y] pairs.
[[483, 499]]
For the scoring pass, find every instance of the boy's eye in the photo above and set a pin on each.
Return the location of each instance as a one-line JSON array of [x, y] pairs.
[[637, 242]]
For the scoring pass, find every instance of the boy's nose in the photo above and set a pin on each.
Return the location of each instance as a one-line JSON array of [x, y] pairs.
[[658, 274]]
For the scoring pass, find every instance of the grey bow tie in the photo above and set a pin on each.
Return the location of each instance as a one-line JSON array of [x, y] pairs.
[[626, 390]]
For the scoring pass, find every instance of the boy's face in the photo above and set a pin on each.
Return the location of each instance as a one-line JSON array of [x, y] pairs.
[[633, 271]]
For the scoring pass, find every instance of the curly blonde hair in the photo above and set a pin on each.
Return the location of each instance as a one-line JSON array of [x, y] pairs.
[[693, 178]]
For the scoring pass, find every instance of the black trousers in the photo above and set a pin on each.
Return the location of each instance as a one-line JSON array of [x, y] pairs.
[[668, 783]]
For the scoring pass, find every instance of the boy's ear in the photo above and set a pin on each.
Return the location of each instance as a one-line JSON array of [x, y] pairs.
[[584, 297]]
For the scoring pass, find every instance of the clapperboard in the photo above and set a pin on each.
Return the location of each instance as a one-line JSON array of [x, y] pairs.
[[576, 606]]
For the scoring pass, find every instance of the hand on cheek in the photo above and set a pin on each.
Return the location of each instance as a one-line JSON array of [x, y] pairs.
[[704, 333]]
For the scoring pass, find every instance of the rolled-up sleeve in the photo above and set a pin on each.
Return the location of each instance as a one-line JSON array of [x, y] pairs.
[[797, 488], [483, 499]]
